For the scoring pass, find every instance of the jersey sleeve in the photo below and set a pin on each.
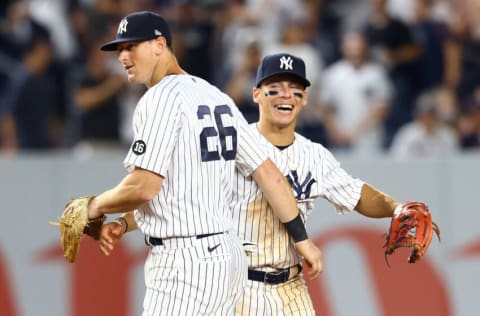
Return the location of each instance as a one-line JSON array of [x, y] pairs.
[[156, 125], [338, 187], [251, 153]]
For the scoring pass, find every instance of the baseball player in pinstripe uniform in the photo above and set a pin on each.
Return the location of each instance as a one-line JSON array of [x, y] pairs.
[[189, 138], [276, 285]]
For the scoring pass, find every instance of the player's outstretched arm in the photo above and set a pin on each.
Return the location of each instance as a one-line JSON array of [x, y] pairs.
[[375, 203], [279, 195]]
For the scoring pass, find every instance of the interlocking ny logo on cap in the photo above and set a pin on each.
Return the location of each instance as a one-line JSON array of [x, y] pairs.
[[286, 63], [122, 27]]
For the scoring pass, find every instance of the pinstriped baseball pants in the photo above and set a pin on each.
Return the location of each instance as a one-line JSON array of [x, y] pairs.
[[287, 299], [184, 276]]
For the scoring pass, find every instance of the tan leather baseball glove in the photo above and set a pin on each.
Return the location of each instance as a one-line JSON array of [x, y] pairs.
[[74, 223], [411, 227]]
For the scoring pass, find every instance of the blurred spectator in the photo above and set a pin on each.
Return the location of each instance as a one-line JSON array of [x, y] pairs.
[[336, 17], [328, 30], [81, 34], [402, 9], [260, 17], [448, 105], [102, 15], [393, 45], [443, 10], [469, 123], [240, 81], [194, 32], [28, 110], [17, 31], [356, 94], [426, 136], [465, 26], [89, 21], [436, 63], [345, 15], [96, 95], [297, 39], [53, 15]]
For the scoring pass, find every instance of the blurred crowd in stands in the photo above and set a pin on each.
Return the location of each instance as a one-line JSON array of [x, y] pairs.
[[388, 76]]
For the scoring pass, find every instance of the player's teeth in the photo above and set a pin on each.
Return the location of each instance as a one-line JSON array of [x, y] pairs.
[[284, 107]]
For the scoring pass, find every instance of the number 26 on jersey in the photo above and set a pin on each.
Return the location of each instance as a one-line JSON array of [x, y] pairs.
[[216, 130]]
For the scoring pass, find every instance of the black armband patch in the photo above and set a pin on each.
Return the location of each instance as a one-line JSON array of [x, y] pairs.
[[296, 229]]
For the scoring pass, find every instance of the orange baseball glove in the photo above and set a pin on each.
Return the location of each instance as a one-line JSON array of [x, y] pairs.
[[412, 227]]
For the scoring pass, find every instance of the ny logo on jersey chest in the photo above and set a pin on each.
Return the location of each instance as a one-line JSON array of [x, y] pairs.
[[302, 189]]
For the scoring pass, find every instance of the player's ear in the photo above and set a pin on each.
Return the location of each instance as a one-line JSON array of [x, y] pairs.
[[256, 94], [160, 44], [305, 97]]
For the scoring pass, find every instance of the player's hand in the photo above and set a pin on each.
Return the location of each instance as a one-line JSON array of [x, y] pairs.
[[312, 256], [110, 234]]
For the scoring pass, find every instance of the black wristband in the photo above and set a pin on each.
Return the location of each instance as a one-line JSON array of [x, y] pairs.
[[296, 229]]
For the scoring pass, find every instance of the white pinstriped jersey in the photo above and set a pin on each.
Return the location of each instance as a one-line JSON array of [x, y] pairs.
[[193, 135], [313, 172]]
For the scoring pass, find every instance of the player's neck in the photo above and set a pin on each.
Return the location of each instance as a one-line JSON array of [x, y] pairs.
[[165, 68], [277, 135]]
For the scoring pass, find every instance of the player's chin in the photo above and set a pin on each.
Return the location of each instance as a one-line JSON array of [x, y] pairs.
[[131, 78], [284, 119]]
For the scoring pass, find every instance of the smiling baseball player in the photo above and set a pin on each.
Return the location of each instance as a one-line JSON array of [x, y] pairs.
[[276, 286]]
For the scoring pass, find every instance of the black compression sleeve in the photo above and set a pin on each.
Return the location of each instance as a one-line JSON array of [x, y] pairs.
[[296, 229]]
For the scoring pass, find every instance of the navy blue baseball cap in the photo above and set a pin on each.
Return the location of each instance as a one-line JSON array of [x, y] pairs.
[[281, 64], [140, 26]]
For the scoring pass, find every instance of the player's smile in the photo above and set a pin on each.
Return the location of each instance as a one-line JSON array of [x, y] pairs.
[[284, 107], [283, 112]]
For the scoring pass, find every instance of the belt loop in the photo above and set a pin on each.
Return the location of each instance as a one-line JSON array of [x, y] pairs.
[[299, 267]]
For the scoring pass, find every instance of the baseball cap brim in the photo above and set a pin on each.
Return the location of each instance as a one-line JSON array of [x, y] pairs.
[[300, 79], [112, 46]]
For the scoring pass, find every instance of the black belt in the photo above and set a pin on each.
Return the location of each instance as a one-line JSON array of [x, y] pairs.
[[154, 241], [273, 277]]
